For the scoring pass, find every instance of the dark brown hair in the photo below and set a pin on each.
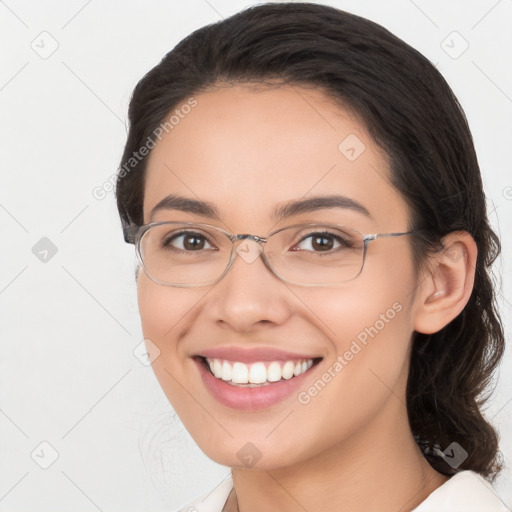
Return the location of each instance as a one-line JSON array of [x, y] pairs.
[[412, 114]]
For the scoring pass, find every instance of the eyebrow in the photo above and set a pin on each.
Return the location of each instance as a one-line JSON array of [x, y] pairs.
[[312, 204], [185, 204], [308, 205]]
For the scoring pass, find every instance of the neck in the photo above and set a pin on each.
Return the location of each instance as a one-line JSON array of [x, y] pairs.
[[377, 468]]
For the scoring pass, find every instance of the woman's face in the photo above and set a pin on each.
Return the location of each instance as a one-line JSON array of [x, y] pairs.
[[248, 153]]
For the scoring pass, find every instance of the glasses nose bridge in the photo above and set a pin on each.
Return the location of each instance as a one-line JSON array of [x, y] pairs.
[[245, 236], [248, 247]]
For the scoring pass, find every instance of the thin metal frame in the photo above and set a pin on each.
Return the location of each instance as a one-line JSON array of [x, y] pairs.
[[134, 234]]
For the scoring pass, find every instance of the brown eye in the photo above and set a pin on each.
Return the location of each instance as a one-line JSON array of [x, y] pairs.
[[188, 242], [193, 242], [321, 242]]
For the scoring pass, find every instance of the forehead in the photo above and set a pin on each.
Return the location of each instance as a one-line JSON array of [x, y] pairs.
[[248, 149]]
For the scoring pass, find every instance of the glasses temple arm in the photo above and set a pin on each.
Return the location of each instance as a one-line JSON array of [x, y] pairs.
[[130, 233]]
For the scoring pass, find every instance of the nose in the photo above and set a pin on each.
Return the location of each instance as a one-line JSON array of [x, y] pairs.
[[250, 297]]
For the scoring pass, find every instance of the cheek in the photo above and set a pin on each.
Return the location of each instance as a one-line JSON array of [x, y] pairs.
[[163, 309], [367, 371], [374, 349], [369, 324], [368, 332], [166, 313], [376, 325]]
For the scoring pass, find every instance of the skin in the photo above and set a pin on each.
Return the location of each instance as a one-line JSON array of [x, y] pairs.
[[247, 151]]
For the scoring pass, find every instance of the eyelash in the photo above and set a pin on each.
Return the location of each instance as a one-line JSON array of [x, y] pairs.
[[167, 243], [343, 242]]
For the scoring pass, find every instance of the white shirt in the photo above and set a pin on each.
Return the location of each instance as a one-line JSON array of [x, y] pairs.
[[466, 491]]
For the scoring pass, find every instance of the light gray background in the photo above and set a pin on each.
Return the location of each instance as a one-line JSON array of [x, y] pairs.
[[68, 375]]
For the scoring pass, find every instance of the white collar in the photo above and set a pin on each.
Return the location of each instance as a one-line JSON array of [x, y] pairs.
[[466, 491]]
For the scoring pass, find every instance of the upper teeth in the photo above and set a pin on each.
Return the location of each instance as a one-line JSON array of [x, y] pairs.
[[257, 373]]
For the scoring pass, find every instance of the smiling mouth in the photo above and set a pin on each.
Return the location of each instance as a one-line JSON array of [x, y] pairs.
[[257, 374]]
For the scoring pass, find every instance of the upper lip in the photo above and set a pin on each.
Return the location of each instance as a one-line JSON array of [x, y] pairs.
[[253, 355]]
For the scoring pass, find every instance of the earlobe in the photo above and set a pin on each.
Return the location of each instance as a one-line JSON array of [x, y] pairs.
[[446, 288]]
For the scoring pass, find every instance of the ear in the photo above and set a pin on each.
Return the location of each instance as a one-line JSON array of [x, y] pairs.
[[446, 287]]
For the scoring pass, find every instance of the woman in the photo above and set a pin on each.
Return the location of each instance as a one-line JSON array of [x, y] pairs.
[[307, 207]]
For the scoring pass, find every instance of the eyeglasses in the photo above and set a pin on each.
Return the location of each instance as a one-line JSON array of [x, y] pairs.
[[187, 254]]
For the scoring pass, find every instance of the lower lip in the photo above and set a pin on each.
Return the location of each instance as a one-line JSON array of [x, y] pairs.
[[250, 399]]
